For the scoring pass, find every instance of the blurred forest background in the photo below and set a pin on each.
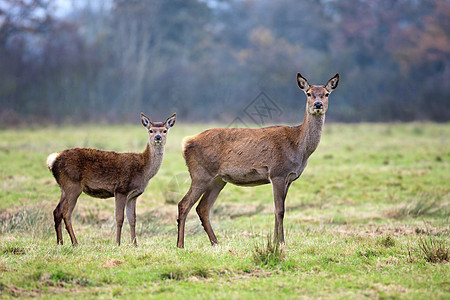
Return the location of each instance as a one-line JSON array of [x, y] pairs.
[[106, 61]]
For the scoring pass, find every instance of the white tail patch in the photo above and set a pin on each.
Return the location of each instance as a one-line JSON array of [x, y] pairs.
[[51, 160], [183, 143]]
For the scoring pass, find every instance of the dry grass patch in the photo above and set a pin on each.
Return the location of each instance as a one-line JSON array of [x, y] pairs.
[[434, 250], [268, 254], [30, 220], [19, 292], [112, 263], [375, 230], [425, 206]]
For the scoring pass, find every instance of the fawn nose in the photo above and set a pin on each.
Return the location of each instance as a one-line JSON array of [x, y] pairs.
[[157, 138], [318, 105]]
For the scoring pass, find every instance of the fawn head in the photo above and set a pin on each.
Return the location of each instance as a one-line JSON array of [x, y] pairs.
[[317, 95], [158, 130]]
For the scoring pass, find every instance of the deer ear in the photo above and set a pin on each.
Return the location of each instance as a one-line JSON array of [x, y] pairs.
[[171, 120], [332, 83], [302, 82], [145, 121]]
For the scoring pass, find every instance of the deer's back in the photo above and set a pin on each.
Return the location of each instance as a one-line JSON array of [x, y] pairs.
[[99, 172], [238, 152]]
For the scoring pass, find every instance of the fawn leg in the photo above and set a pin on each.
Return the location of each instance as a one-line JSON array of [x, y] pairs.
[[131, 216], [120, 201]]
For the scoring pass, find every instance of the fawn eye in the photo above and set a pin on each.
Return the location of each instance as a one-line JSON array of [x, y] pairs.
[[308, 94], [165, 131], [326, 95], [151, 131]]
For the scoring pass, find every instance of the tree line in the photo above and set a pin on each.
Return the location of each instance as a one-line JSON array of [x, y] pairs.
[[105, 61]]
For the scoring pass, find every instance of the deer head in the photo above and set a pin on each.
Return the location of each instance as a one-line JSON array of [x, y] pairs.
[[317, 95], [158, 130]]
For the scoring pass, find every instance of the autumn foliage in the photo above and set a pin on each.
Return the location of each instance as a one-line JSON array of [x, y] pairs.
[[208, 59]]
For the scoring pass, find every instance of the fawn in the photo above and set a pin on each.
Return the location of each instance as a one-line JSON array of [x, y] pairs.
[[104, 174]]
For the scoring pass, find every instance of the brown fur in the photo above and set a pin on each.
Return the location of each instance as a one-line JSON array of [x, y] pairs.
[[118, 170], [104, 174], [249, 157]]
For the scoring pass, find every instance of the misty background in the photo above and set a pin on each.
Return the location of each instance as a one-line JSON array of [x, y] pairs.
[[106, 61]]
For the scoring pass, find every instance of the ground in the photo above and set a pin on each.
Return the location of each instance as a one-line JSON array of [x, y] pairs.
[[369, 218]]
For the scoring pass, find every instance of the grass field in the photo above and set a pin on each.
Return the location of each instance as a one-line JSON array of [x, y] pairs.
[[369, 218]]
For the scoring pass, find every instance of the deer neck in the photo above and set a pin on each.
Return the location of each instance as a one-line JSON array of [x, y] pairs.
[[311, 133], [153, 156]]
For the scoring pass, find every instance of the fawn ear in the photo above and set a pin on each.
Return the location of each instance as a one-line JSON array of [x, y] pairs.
[[332, 83], [145, 121], [171, 120], [302, 82]]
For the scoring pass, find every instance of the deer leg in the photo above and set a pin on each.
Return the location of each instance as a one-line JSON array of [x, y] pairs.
[[184, 206], [120, 201], [280, 188], [71, 196], [58, 216], [131, 216], [204, 207]]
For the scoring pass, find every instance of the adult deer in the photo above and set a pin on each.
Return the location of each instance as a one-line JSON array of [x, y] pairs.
[[104, 174], [249, 157]]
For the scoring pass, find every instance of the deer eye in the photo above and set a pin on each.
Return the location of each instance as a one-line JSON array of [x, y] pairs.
[[326, 95], [165, 131], [308, 94], [151, 131]]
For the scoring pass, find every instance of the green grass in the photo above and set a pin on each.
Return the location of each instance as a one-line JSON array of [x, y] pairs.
[[369, 218]]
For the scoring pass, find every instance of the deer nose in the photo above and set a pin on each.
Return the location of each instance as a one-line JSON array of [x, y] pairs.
[[157, 138], [318, 105]]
